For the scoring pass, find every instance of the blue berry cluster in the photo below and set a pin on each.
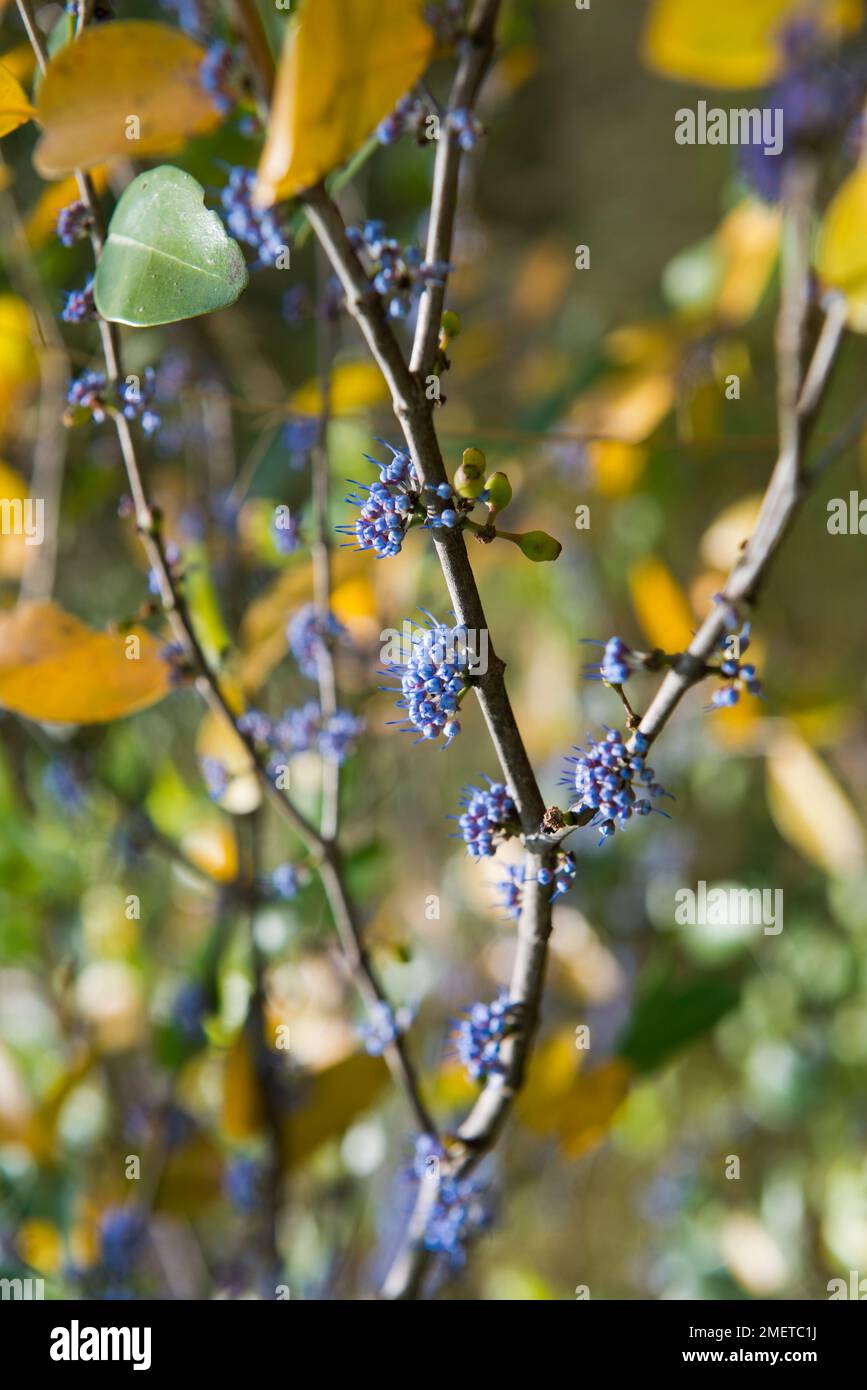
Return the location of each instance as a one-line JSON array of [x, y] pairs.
[[305, 634], [73, 222], [389, 507], [384, 1027], [432, 680], [256, 227], [479, 1036], [399, 274], [216, 73], [603, 775], [490, 816], [79, 306], [86, 395]]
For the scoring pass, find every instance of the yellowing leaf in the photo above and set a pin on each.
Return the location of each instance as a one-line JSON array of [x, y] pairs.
[[15, 109], [129, 88], [55, 668], [354, 386], [243, 1110], [628, 406], [748, 239], [731, 44], [660, 606], [40, 1245], [13, 546], [841, 255], [192, 1177], [338, 1094], [810, 809], [42, 221], [19, 367], [344, 66], [214, 848]]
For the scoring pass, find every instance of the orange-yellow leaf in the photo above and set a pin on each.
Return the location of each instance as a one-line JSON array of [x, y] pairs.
[[354, 386], [344, 66], [660, 605], [54, 668], [615, 465], [627, 406], [337, 1095], [748, 241], [841, 258], [810, 809], [15, 109], [13, 544], [561, 1098], [127, 89], [731, 44]]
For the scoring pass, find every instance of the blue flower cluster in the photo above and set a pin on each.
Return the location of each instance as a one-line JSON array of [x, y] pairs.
[[305, 634], [511, 890], [256, 227], [490, 816], [617, 664], [433, 680], [460, 1211], [479, 1036], [73, 222], [79, 306], [285, 881], [384, 1027], [467, 127], [122, 1233], [216, 73], [399, 274], [562, 876], [738, 675], [299, 730], [603, 775], [87, 393], [409, 115], [136, 397], [389, 507]]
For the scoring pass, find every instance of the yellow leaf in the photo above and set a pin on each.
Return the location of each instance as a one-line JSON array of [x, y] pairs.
[[616, 466], [748, 239], [19, 367], [628, 406], [810, 809], [337, 1095], [13, 546], [40, 1245], [562, 1099], [734, 44], [344, 66], [15, 109], [243, 1110], [841, 255], [192, 1177], [214, 848], [354, 386], [20, 61], [115, 74], [660, 606], [42, 221], [723, 540], [56, 669]]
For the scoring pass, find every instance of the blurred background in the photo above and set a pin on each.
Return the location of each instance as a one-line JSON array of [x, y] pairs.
[[125, 1026]]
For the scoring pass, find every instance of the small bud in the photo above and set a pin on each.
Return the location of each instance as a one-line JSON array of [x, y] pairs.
[[499, 492], [450, 324], [468, 484], [538, 545]]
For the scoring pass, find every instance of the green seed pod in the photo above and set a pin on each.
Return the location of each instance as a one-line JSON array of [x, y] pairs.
[[467, 484], [474, 463], [450, 324], [538, 545], [499, 491]]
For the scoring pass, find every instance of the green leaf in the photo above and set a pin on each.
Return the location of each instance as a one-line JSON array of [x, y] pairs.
[[671, 1015], [167, 257]]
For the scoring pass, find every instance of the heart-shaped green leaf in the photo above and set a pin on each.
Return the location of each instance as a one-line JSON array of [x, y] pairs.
[[167, 257]]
